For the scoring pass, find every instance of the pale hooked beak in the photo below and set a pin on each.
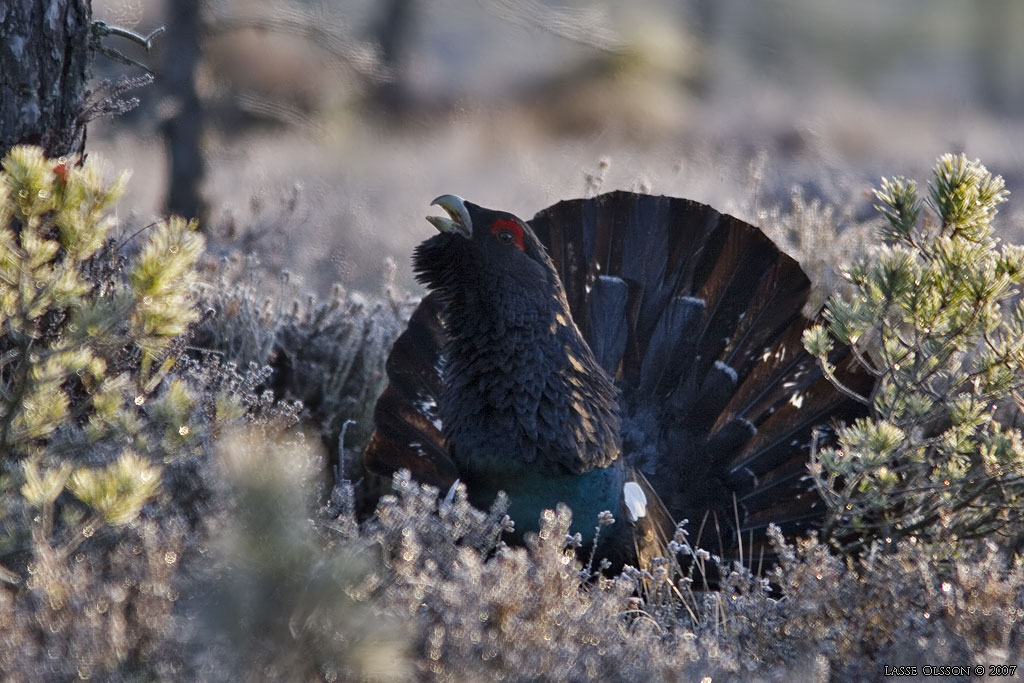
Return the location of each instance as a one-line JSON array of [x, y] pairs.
[[458, 220]]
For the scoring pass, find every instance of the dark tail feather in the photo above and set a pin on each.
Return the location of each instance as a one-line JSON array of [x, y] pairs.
[[608, 319], [668, 352]]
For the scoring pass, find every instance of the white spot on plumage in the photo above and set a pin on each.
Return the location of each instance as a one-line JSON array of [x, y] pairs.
[[719, 365], [427, 407], [797, 400], [635, 499]]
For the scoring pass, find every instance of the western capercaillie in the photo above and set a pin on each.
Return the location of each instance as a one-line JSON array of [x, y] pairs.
[[629, 353]]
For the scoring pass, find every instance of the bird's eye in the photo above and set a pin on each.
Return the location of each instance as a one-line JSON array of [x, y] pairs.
[[509, 232]]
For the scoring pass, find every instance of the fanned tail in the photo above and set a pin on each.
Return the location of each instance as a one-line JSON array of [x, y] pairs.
[[698, 316]]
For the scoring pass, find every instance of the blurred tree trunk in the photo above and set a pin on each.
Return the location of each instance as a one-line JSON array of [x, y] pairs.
[[394, 33], [184, 127], [44, 64]]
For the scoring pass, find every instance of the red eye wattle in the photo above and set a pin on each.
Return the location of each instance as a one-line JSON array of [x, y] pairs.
[[509, 232]]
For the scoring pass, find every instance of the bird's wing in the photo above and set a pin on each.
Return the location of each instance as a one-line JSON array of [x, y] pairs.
[[408, 432]]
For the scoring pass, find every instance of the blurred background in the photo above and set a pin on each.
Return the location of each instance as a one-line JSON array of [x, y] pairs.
[[315, 133]]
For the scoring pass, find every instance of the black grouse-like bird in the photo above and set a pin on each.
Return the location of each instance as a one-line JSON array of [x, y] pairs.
[[628, 353]]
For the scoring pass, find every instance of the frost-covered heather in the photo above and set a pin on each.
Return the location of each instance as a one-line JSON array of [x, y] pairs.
[[170, 513]]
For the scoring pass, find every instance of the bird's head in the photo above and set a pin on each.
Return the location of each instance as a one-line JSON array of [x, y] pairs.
[[488, 249]]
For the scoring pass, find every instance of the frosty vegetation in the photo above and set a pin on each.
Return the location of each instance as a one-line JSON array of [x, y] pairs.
[[169, 514]]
